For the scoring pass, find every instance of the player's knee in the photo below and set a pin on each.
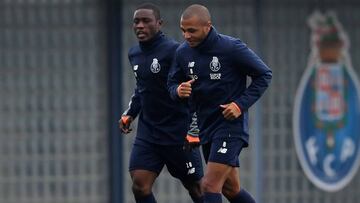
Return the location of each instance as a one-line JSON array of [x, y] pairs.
[[210, 186], [229, 192], [140, 189], [193, 188]]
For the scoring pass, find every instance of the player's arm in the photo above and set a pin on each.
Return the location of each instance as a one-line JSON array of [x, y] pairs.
[[130, 113], [179, 85], [124, 124], [231, 111], [252, 66]]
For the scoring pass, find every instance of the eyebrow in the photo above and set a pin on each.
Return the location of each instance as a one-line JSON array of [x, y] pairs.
[[188, 29], [142, 18]]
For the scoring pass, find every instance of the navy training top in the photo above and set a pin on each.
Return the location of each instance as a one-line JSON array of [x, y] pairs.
[[220, 64], [161, 120]]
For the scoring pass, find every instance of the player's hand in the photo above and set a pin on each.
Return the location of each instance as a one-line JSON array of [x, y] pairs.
[[124, 124], [231, 111], [184, 89], [191, 142]]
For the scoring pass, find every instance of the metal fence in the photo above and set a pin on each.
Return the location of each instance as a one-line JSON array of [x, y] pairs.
[[53, 106], [278, 31], [54, 100]]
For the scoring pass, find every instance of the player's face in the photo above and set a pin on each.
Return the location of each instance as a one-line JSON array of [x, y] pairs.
[[145, 24], [194, 30]]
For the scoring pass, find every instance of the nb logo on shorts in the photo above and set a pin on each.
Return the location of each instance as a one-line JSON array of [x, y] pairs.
[[223, 149], [191, 169]]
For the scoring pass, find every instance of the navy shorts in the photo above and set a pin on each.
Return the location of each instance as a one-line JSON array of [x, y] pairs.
[[186, 166], [223, 150]]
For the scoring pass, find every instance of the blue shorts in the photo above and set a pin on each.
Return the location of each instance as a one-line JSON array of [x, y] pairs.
[[224, 150], [186, 166]]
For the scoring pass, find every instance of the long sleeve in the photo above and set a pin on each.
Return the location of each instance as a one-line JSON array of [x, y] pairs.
[[254, 67], [175, 77], [134, 105]]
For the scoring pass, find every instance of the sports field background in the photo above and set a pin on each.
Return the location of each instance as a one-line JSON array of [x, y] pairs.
[[57, 98]]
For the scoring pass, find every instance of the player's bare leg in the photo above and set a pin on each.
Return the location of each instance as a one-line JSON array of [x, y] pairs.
[[213, 181], [232, 191], [194, 191], [143, 181], [231, 186]]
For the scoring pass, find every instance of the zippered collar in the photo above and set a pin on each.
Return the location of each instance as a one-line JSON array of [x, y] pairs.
[[209, 40], [148, 45]]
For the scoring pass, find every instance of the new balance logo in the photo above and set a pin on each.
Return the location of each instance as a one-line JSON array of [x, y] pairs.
[[190, 167], [191, 64], [191, 171], [223, 149]]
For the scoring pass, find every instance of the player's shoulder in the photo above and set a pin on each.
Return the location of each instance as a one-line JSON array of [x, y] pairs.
[[134, 50], [231, 44], [230, 40], [183, 47], [171, 43]]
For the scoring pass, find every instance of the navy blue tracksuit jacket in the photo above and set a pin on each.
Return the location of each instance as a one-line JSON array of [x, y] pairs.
[[161, 120], [220, 65]]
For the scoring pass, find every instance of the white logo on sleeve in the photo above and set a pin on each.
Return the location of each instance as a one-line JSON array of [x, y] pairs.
[[191, 70], [155, 66], [223, 149], [135, 69], [191, 64]]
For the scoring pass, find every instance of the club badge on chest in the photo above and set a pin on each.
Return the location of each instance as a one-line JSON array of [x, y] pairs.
[[215, 67], [155, 66]]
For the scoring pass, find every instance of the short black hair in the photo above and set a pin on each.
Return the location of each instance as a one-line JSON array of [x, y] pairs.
[[152, 7], [197, 10]]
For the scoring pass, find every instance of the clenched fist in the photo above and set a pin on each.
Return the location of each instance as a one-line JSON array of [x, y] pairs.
[[124, 124], [184, 89], [231, 111]]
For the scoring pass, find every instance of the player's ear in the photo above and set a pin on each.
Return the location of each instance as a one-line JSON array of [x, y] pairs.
[[208, 26], [160, 21]]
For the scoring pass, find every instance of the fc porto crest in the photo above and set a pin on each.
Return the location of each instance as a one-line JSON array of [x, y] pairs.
[[155, 66], [215, 64], [326, 117]]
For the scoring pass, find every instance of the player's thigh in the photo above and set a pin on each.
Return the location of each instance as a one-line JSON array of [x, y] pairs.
[[145, 156], [215, 176], [225, 150], [186, 166], [223, 156]]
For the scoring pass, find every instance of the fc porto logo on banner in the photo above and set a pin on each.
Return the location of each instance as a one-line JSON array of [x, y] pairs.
[[326, 114], [155, 66]]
